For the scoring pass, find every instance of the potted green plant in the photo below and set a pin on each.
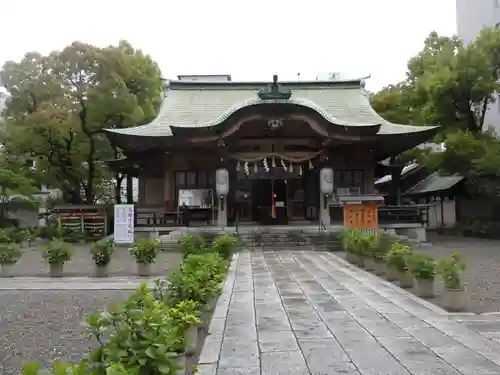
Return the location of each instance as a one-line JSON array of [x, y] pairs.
[[185, 316], [379, 250], [450, 270], [145, 251], [423, 269], [192, 244], [102, 253], [349, 240], [225, 245], [10, 254], [397, 265], [56, 253]]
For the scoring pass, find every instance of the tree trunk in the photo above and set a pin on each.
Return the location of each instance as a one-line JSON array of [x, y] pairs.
[[130, 190]]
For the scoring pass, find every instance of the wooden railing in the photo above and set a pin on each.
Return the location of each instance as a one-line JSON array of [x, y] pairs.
[[158, 218], [414, 214]]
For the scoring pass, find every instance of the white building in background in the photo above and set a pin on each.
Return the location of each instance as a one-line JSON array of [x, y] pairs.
[[472, 17]]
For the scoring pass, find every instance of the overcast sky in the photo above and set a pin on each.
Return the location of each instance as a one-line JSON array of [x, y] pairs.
[[248, 39]]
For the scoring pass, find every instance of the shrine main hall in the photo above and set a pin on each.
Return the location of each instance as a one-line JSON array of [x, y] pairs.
[[262, 152]]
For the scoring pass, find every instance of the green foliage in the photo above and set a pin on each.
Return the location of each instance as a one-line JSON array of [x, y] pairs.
[[60, 104], [57, 252], [192, 244], [9, 253], [356, 241], [451, 270], [422, 266], [136, 334], [225, 245], [16, 193], [102, 251], [144, 335], [145, 250], [50, 231], [379, 246], [398, 256], [199, 279]]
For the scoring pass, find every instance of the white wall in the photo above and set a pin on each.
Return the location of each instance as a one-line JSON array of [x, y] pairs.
[[449, 213], [472, 17]]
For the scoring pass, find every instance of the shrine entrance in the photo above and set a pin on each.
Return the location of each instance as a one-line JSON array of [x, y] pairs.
[[269, 203]]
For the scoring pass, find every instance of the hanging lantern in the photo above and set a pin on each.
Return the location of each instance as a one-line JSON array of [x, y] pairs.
[[310, 164], [255, 168], [283, 164], [300, 170], [247, 170], [273, 163], [291, 167], [238, 166]]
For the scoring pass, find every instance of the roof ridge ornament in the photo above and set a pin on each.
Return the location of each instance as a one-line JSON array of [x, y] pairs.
[[274, 91]]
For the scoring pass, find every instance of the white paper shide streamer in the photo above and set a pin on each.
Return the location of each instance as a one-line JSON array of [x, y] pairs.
[[266, 166]]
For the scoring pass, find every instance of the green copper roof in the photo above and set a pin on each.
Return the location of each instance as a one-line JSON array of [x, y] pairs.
[[434, 183], [206, 104]]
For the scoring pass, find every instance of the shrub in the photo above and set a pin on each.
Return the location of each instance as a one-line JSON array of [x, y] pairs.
[[57, 252], [192, 244], [9, 253], [422, 267], [225, 245], [379, 246], [145, 250], [136, 334], [199, 279], [356, 241], [102, 251], [398, 256], [451, 270]]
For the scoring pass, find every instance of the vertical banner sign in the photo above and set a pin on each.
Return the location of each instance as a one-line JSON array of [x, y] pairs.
[[124, 224]]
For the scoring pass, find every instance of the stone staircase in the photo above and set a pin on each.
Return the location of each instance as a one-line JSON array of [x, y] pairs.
[[284, 238]]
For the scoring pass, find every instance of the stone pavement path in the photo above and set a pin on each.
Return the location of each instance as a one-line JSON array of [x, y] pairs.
[[312, 313]]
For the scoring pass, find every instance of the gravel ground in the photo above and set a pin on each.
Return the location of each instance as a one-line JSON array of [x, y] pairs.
[[482, 276], [81, 264], [47, 325]]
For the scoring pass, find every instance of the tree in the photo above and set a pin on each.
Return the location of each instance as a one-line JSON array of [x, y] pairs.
[[394, 104], [453, 84], [60, 104], [15, 193]]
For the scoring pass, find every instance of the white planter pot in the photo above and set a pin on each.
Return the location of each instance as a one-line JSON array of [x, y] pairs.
[[379, 268], [405, 280], [191, 339], [8, 270], [351, 258], [144, 269], [424, 288], [369, 264], [56, 269], [455, 299], [391, 273], [101, 270]]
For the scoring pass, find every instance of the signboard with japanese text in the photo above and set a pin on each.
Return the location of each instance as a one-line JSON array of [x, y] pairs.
[[124, 224]]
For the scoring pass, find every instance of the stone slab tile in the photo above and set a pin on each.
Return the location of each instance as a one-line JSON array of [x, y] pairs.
[[239, 371], [466, 361], [211, 350], [207, 369], [284, 363], [270, 341], [322, 354], [239, 353]]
